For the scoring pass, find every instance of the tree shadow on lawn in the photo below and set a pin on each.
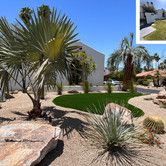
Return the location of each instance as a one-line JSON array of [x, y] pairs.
[[51, 156], [67, 123]]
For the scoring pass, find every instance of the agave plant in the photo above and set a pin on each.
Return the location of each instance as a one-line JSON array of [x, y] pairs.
[[115, 141]]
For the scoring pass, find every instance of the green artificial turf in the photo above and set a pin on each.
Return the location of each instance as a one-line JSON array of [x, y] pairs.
[[98, 100], [159, 33]]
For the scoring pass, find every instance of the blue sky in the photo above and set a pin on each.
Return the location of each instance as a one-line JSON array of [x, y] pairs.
[[100, 25]]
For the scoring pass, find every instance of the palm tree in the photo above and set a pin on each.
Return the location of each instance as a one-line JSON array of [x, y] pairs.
[[53, 40], [128, 55], [44, 11], [25, 15], [157, 58]]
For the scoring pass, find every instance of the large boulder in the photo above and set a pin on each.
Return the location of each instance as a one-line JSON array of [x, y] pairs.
[[126, 113], [162, 95], [26, 143], [161, 99]]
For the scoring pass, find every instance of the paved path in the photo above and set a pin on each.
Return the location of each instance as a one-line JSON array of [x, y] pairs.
[[145, 31], [151, 109], [147, 91]]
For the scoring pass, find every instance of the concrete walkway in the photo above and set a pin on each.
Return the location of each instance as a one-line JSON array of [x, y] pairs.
[[146, 31]]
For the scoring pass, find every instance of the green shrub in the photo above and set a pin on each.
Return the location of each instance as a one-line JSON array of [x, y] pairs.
[[143, 81], [132, 87], [109, 88], [117, 75], [140, 81], [154, 124], [114, 139], [59, 88], [86, 87]]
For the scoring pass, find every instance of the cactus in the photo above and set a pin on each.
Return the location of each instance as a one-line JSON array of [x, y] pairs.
[[154, 124]]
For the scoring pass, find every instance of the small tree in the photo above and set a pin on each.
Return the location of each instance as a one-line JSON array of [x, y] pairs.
[[87, 64], [42, 46]]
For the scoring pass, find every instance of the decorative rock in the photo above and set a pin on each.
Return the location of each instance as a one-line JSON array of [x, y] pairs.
[[127, 115], [26, 143], [73, 91], [162, 95], [148, 98], [162, 103]]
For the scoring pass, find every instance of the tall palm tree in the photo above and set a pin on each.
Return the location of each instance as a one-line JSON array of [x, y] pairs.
[[157, 58], [128, 55], [25, 15], [53, 40]]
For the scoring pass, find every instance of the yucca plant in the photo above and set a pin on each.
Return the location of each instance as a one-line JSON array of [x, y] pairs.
[[154, 124], [59, 88], [114, 139], [86, 87], [109, 88]]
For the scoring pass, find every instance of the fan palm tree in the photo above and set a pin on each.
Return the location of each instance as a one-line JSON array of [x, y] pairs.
[[53, 40], [128, 55]]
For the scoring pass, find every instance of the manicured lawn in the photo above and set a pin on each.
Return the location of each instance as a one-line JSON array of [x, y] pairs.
[[84, 101], [160, 33]]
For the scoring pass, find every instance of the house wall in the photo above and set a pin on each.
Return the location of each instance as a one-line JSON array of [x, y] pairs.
[[96, 78], [151, 17]]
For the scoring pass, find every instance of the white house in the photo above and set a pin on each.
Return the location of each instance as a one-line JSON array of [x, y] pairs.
[[97, 76], [150, 17]]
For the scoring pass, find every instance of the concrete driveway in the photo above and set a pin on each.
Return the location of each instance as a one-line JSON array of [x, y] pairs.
[[146, 31]]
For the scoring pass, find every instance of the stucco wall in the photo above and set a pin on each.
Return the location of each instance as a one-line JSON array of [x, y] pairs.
[[96, 78]]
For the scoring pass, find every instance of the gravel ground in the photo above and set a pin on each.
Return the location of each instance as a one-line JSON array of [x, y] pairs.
[[73, 149]]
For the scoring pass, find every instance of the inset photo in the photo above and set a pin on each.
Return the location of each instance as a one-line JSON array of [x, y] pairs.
[[151, 22]]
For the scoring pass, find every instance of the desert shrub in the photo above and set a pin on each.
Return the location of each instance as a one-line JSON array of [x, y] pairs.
[[154, 124], [117, 75], [150, 138], [59, 88], [114, 139], [143, 81], [140, 81], [86, 86], [109, 88], [132, 87]]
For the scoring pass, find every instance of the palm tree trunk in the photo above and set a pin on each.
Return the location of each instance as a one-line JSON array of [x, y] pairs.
[[36, 110], [24, 90], [42, 93], [128, 73]]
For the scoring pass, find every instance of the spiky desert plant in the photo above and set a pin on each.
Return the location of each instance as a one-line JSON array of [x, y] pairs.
[[154, 124], [115, 141], [86, 87], [109, 88], [59, 88]]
